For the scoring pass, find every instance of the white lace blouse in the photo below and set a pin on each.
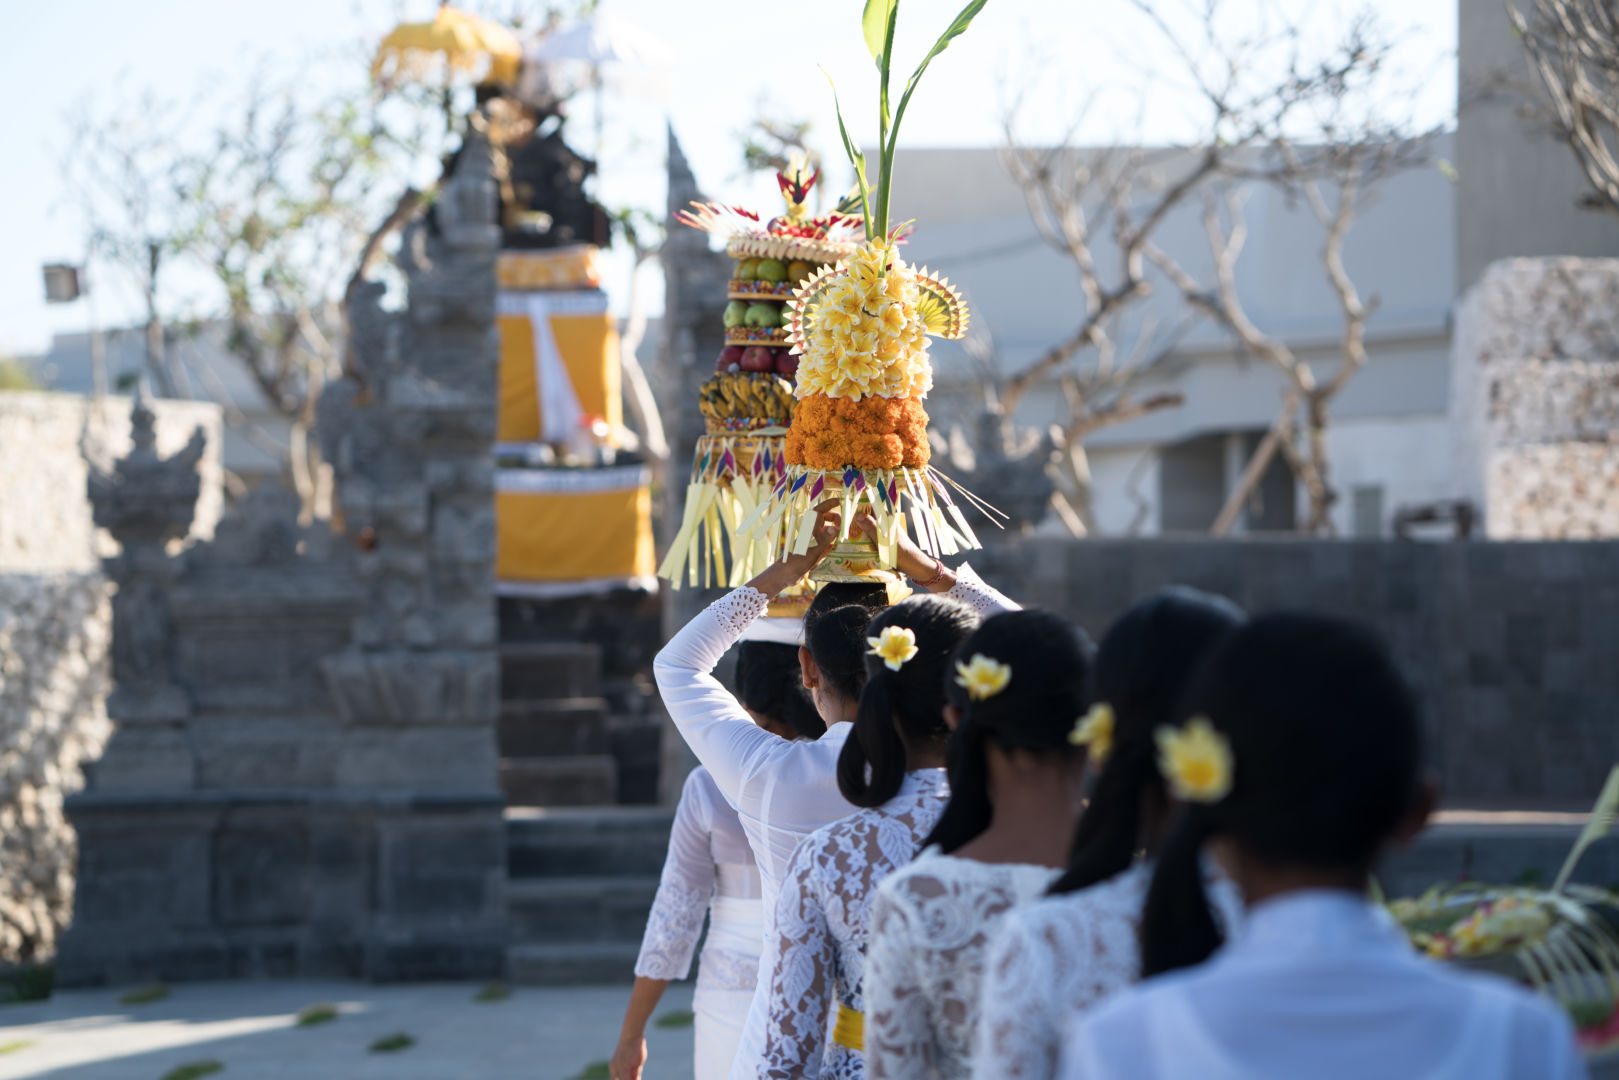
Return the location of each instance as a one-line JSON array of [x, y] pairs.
[[708, 858], [823, 920], [1051, 961], [930, 926]]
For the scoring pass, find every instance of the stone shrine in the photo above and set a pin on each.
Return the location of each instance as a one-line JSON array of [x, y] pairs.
[[301, 779]]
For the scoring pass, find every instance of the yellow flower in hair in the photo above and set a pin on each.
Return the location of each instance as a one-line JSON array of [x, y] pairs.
[[982, 677], [896, 645], [1095, 732], [1195, 761]]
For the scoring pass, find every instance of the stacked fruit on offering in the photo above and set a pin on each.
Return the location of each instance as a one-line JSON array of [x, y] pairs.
[[1562, 941], [748, 403]]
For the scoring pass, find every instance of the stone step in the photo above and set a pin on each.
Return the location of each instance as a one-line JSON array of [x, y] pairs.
[[638, 748], [554, 727], [550, 670], [595, 842], [576, 780], [593, 963], [580, 909]]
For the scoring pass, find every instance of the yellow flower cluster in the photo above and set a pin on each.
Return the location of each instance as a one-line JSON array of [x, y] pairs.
[[865, 336]]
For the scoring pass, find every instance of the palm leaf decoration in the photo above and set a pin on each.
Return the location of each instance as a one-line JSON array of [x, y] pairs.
[[1601, 820], [943, 311]]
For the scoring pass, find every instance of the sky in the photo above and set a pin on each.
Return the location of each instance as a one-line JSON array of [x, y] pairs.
[[731, 58]]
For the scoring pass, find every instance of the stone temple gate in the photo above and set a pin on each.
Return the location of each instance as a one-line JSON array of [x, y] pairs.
[[302, 779]]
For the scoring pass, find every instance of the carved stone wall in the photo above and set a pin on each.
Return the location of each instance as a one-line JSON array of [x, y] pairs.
[[54, 631], [1535, 393], [45, 520], [301, 779]]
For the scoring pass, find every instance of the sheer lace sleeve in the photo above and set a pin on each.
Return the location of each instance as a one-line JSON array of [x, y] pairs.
[[899, 1041], [1019, 1032], [709, 718], [801, 983], [971, 590], [684, 891]]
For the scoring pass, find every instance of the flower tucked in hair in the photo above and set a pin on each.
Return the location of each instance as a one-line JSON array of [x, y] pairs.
[[982, 677], [896, 645], [1094, 731], [1196, 761]]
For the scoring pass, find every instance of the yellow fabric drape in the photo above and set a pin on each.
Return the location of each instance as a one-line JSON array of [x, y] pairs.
[[589, 348], [850, 1030], [568, 536]]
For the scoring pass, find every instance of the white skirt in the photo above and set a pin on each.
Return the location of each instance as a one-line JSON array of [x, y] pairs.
[[726, 974]]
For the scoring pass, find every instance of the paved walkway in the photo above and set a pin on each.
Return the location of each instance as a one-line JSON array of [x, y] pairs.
[[249, 1027]]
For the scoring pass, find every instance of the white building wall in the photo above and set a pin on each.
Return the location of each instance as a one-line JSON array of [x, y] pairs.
[[1407, 457], [1124, 491]]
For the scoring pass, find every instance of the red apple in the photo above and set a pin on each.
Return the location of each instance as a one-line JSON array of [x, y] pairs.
[[730, 358], [759, 358], [787, 364]]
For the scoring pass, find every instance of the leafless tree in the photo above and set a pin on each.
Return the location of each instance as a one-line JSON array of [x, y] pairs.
[[1573, 49], [1274, 113], [267, 204]]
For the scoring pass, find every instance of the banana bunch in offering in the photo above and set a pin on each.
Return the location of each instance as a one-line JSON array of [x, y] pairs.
[[746, 401]]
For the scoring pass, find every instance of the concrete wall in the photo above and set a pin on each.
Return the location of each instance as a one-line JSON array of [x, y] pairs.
[[1511, 645], [47, 444], [1517, 189]]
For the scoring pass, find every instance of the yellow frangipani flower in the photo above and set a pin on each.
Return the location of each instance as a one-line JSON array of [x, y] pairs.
[[982, 677], [1095, 732], [865, 336], [1195, 761], [895, 645]]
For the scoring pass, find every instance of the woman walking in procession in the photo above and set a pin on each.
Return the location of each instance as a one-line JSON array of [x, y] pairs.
[[1053, 959], [710, 870], [1298, 762], [892, 765], [1015, 790]]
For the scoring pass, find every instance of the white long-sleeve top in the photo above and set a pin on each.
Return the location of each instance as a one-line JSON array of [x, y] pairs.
[[782, 790], [1322, 985], [709, 860], [1054, 959], [930, 926]]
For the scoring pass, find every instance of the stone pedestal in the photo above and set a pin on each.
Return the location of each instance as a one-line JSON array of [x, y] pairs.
[[302, 779], [1535, 398]]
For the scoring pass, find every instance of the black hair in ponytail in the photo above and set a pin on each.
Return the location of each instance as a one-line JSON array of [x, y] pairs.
[[902, 711], [1050, 659], [1326, 748], [1143, 666], [836, 641], [770, 683]]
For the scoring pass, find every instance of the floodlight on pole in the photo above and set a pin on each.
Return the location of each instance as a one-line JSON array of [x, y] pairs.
[[65, 283]]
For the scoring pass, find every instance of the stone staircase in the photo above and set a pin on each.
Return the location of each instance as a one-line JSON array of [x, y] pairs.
[[580, 884], [579, 722]]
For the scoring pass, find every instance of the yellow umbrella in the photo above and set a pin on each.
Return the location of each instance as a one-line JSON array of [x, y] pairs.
[[466, 42]]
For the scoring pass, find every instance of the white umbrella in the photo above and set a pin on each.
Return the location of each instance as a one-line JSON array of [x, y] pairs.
[[632, 60]]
